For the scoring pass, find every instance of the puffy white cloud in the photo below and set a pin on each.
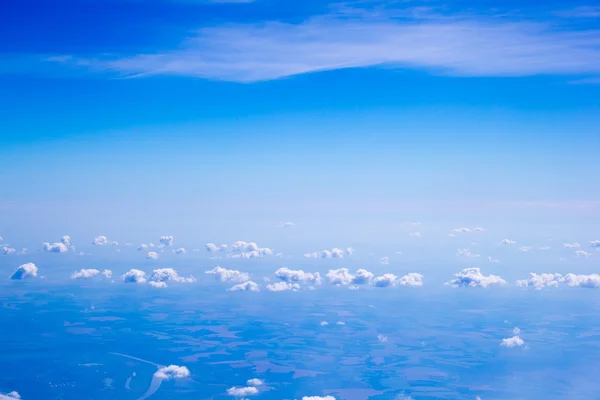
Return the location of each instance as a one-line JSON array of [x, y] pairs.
[[571, 245], [85, 274], [283, 286], [107, 273], [385, 280], [180, 250], [66, 240], [340, 323], [254, 382], [465, 253], [384, 260], [247, 286], [224, 274], [472, 277], [5, 250], [540, 281], [524, 249], [410, 280], [333, 253], [514, 341], [507, 241], [158, 284], [55, 247], [166, 240], [585, 281], [12, 395], [242, 391], [595, 243], [581, 253], [324, 323], [212, 248], [415, 234], [298, 276], [169, 275], [100, 241], [25, 271], [134, 276], [172, 372], [152, 255], [143, 247]]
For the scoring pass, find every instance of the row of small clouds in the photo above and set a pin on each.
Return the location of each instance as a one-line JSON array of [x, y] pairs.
[[289, 279], [333, 253], [240, 249]]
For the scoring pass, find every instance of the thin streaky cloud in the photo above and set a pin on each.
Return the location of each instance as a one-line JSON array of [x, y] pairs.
[[459, 45]]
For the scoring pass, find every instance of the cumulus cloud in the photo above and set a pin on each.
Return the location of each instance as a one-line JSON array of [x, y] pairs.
[[25, 271], [134, 276], [472, 277], [581, 253], [166, 240], [507, 241], [180, 250], [283, 286], [85, 274], [247, 286], [541, 281], [585, 281], [66, 240], [324, 323], [514, 341], [12, 395], [55, 247], [343, 277], [224, 274], [213, 248], [100, 241], [466, 253], [158, 284], [242, 391], [461, 230], [152, 255], [165, 275], [298, 276], [595, 243], [172, 372], [5, 250], [333, 253], [254, 382], [143, 247], [571, 245], [107, 273]]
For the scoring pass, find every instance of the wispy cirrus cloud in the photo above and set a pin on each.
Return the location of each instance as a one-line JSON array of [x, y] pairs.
[[459, 45]]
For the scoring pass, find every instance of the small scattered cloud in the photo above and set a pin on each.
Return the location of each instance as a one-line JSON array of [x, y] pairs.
[[180, 250], [343, 277], [466, 253], [472, 277], [152, 255], [384, 260], [595, 243], [298, 276], [340, 323], [581, 253], [241, 392], [571, 245], [254, 382], [247, 286], [324, 323], [134, 276], [85, 274], [164, 275], [283, 286], [55, 247], [100, 241], [545, 248], [166, 240], [333, 253], [10, 396], [213, 248], [507, 241], [226, 275], [5, 250], [172, 372], [511, 342], [382, 338], [525, 249], [492, 260], [25, 271]]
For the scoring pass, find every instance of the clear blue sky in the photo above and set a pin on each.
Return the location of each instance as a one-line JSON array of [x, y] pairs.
[[221, 120]]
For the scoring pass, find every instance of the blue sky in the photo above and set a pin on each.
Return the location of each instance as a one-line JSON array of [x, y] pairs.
[[221, 120]]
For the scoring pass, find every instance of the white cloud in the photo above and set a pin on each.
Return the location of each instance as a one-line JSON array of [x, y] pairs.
[[581, 253], [318, 398], [100, 241], [507, 241], [55, 247], [472, 277], [134, 276], [516, 331], [514, 341], [298, 276], [242, 391], [461, 230], [213, 248], [491, 260], [107, 273], [166, 240], [466, 253], [172, 372], [541, 281], [283, 286], [333, 253], [408, 280], [25, 271], [585, 281], [254, 382], [143, 247], [595, 243], [247, 286], [382, 338], [12, 395], [158, 284], [524, 249], [5, 250], [385, 280], [571, 245], [169, 275], [324, 323], [340, 323], [85, 274], [384, 260], [152, 255], [478, 229], [343, 277], [225, 275], [66, 240], [180, 250]]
